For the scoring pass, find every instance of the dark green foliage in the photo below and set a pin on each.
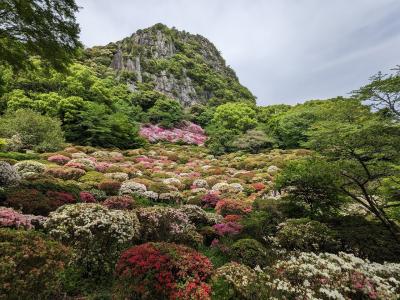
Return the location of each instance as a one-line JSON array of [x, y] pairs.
[[31, 265], [147, 98], [166, 112], [249, 252], [44, 28], [312, 182], [254, 141], [366, 239]]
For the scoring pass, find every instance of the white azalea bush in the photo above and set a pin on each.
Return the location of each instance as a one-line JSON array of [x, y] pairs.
[[8, 174], [330, 276], [97, 233], [29, 169], [159, 223]]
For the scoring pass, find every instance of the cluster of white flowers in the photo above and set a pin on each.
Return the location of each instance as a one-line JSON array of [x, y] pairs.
[[119, 176], [94, 230], [159, 223], [331, 276], [8, 174], [200, 183], [239, 277], [29, 169], [226, 187], [199, 216], [132, 187]]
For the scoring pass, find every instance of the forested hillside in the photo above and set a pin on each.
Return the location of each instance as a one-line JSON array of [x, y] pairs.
[[143, 169]]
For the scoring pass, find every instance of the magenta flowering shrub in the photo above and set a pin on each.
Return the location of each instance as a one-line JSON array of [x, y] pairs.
[[229, 228], [87, 197], [13, 219], [210, 199], [187, 133], [59, 159]]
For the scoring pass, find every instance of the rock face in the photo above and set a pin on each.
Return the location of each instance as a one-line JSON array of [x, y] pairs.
[[178, 64]]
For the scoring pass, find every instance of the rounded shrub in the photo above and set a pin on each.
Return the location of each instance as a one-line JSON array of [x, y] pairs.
[[125, 202], [162, 271], [95, 231], [249, 252], [306, 235], [30, 265], [8, 174]]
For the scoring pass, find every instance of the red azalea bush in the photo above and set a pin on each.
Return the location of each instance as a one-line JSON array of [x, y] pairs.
[[232, 218], [258, 186], [61, 198], [87, 197], [30, 201], [163, 271], [210, 199], [109, 186], [119, 202], [232, 207], [59, 159]]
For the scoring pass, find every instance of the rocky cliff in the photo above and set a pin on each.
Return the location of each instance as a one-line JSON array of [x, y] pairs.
[[178, 64]]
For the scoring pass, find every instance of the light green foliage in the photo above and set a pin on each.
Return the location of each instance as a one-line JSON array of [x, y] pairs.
[[229, 121], [30, 130], [290, 126], [93, 110], [239, 117], [166, 112]]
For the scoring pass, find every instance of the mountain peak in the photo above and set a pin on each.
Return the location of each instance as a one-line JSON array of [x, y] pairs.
[[183, 66]]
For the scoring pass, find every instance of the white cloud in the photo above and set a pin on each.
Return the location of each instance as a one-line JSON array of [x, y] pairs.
[[283, 50]]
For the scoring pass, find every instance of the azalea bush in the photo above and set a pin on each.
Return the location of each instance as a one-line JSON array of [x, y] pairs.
[[330, 276], [188, 133], [162, 271], [306, 235], [96, 232], [167, 224], [232, 207], [8, 174], [13, 219], [31, 265], [250, 252]]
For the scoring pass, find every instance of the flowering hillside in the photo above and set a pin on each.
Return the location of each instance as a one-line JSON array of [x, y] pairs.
[[124, 212]]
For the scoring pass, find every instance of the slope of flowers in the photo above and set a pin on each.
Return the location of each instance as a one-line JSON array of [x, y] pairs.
[[140, 223], [187, 133]]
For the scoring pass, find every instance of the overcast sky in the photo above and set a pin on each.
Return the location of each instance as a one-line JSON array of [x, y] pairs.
[[284, 51]]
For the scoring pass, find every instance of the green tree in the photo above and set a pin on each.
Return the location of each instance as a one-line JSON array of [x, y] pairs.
[[46, 28], [312, 182], [166, 112], [27, 129], [237, 116], [253, 141], [365, 148], [383, 92]]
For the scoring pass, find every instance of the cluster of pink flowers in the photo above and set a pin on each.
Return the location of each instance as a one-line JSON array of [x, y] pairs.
[[12, 218], [229, 228], [59, 159], [187, 133]]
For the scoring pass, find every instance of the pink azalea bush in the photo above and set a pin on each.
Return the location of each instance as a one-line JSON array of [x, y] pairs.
[[59, 159], [13, 219], [229, 228], [187, 133]]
